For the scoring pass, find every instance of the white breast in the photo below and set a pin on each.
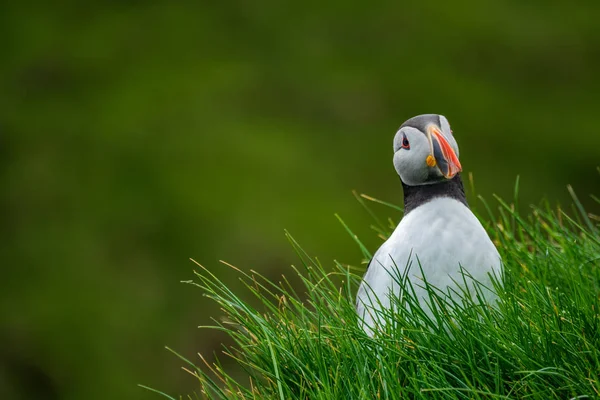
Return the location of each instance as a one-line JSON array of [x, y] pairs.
[[434, 240]]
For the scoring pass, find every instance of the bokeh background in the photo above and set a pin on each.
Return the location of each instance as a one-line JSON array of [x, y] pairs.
[[134, 135]]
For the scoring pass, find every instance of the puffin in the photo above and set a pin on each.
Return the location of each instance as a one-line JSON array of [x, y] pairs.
[[439, 242]]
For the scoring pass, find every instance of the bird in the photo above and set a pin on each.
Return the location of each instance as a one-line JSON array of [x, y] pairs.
[[438, 240]]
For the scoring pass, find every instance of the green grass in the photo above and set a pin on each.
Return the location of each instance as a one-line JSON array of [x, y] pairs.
[[541, 342]]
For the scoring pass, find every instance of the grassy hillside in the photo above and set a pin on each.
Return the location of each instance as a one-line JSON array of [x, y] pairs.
[[541, 342]]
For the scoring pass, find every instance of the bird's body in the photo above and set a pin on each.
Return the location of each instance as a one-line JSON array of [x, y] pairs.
[[438, 240]]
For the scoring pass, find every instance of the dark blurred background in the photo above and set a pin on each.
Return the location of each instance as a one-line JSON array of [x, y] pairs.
[[134, 135]]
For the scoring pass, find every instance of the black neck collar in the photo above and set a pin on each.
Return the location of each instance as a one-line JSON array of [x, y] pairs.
[[414, 196]]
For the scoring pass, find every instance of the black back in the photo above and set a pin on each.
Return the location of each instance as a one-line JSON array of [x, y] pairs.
[[414, 196]]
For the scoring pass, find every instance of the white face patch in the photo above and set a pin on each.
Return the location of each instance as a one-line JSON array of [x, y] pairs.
[[411, 164]]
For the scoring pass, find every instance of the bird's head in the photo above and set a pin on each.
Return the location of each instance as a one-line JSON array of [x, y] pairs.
[[425, 151]]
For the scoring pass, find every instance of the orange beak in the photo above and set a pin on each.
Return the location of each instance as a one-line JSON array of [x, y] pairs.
[[444, 154]]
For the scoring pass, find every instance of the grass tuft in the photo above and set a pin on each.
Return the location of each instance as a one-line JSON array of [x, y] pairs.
[[541, 342]]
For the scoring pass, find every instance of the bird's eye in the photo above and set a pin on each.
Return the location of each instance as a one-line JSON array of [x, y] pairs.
[[405, 143]]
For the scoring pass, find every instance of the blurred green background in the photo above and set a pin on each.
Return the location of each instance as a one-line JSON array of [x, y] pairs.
[[134, 135]]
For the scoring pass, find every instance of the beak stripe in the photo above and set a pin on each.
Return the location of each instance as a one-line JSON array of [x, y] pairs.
[[448, 153]]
